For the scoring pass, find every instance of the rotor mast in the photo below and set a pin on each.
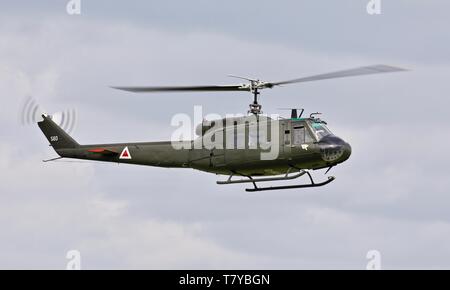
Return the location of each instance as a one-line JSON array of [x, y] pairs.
[[255, 108]]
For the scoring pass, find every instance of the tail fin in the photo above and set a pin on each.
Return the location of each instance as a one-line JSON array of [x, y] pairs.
[[57, 137]]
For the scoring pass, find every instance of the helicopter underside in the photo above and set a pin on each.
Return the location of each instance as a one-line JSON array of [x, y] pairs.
[[261, 168], [283, 171]]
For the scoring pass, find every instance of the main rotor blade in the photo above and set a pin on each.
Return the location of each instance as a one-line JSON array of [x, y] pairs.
[[183, 89], [366, 70]]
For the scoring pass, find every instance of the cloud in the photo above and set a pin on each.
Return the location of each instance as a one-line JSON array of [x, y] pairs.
[[52, 209]]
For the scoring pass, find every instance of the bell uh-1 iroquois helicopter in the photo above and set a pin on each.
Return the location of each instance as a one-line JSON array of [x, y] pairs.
[[303, 144]]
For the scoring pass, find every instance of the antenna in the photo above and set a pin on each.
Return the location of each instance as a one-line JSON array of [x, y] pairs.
[[294, 112]]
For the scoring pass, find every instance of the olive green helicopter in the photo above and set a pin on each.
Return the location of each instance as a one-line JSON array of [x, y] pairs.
[[255, 148]]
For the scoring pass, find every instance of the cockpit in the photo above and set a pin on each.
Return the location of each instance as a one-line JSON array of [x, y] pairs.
[[320, 129]]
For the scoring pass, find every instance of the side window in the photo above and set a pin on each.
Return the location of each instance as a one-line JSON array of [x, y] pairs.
[[298, 135], [287, 137], [308, 137]]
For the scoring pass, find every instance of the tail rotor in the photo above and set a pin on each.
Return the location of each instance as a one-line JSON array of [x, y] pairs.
[[32, 111]]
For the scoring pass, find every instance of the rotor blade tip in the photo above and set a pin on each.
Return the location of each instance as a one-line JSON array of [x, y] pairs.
[[390, 68]]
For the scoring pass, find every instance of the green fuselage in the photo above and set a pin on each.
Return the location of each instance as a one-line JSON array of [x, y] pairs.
[[298, 145]]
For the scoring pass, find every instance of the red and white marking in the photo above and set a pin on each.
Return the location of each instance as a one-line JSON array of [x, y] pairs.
[[125, 154]]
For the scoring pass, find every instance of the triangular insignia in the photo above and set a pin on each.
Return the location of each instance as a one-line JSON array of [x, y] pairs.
[[125, 154]]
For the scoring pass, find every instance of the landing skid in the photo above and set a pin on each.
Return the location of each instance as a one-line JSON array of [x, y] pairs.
[[254, 181], [330, 179]]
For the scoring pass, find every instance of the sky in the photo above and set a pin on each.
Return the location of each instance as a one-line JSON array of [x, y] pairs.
[[390, 196]]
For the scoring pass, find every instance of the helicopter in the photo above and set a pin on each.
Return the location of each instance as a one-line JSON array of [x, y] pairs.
[[302, 144]]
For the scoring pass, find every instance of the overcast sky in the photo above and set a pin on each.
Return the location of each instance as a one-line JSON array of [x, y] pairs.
[[392, 195]]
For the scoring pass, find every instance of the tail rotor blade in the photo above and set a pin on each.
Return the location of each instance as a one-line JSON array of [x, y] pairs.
[[31, 113]]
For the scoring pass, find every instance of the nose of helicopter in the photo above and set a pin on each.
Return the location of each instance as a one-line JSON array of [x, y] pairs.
[[347, 152], [334, 150]]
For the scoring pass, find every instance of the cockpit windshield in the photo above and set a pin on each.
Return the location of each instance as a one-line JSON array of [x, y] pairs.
[[320, 129]]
